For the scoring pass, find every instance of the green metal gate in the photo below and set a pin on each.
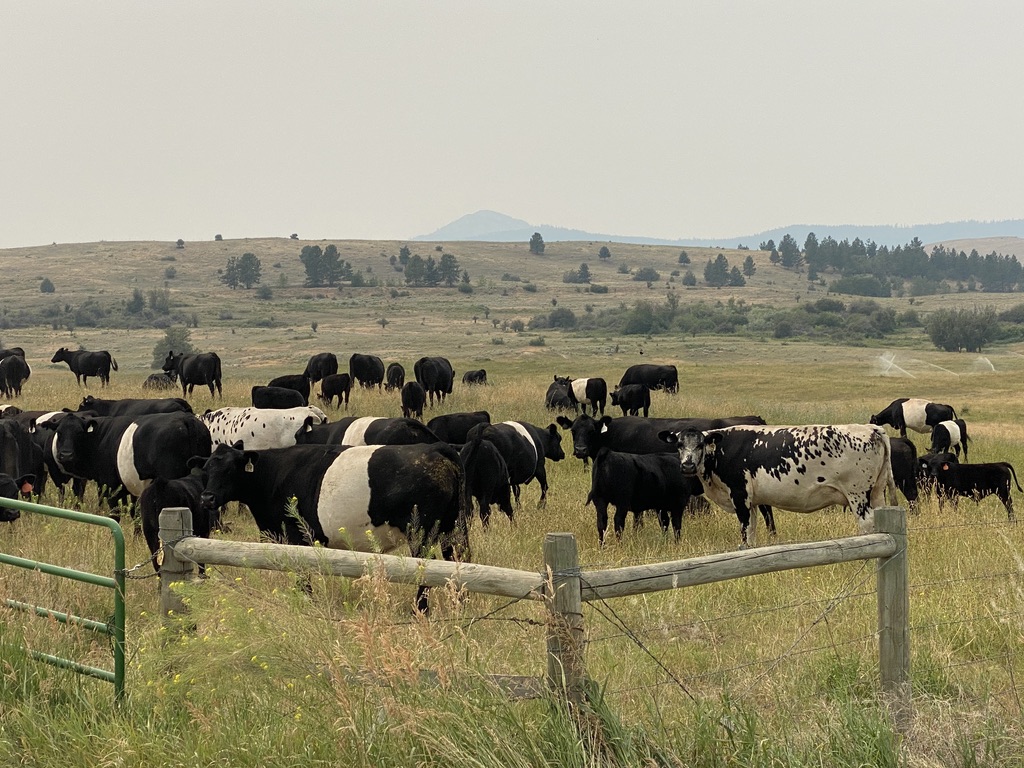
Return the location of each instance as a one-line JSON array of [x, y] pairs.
[[115, 582]]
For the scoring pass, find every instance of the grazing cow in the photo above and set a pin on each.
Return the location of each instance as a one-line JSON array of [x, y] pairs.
[[436, 375], [14, 371], [12, 489], [948, 436], [160, 381], [202, 368], [337, 385], [260, 428], [913, 413], [133, 406], [454, 427], [524, 447], [592, 392], [975, 481], [277, 397], [632, 398], [394, 377], [632, 434], [320, 366], [85, 364], [368, 370], [802, 468], [903, 457], [557, 397], [652, 376], [487, 478], [123, 453], [12, 351], [413, 399], [366, 498], [368, 430], [634, 483], [478, 376], [180, 492], [295, 381]]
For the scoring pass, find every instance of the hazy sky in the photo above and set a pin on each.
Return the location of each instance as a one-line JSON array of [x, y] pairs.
[[388, 119]]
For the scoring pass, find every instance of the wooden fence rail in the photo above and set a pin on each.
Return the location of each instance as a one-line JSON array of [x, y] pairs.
[[564, 586]]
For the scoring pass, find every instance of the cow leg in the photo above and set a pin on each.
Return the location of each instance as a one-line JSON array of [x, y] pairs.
[[769, 518], [485, 512], [1004, 496], [748, 525], [542, 478], [620, 520], [602, 519]]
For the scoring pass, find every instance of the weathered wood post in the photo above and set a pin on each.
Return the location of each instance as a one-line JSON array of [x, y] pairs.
[[175, 524], [894, 613], [566, 672]]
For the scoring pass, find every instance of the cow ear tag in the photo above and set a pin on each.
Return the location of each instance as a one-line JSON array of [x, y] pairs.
[[604, 428], [249, 467], [945, 466]]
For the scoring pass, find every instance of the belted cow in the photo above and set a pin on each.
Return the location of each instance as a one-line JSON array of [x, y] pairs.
[[949, 437], [913, 413], [584, 392], [368, 430], [801, 468]]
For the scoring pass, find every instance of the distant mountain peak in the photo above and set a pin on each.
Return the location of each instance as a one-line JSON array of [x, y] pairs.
[[476, 226]]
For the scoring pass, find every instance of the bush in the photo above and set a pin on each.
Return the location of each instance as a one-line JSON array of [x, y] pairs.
[[529, 287], [536, 341], [646, 275], [465, 288], [595, 288], [265, 293], [47, 286], [170, 273], [497, 341]]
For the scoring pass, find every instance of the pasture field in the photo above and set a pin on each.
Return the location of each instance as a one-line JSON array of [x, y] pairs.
[[776, 670]]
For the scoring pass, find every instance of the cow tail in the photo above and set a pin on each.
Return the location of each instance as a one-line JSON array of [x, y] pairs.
[[216, 370], [113, 363], [1014, 473], [890, 481]]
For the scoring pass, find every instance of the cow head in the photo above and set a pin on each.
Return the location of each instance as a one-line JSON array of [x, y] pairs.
[[553, 444], [72, 442], [87, 403], [586, 434], [615, 395], [171, 362], [563, 381], [60, 355], [224, 474], [693, 445]]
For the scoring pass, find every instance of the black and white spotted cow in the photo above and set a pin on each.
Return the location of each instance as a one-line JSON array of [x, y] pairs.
[[953, 480], [913, 413], [368, 430], [524, 447], [800, 468], [584, 392], [364, 498], [121, 454], [261, 428], [949, 437]]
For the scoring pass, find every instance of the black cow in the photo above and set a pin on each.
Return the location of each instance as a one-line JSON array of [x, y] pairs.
[[337, 385], [367, 430], [14, 371], [524, 447], [652, 376], [975, 481], [133, 406], [487, 478], [122, 453], [413, 399], [320, 366], [368, 370], [7, 410], [949, 436], [557, 397], [903, 457], [913, 413], [12, 489], [178, 492], [160, 381], [85, 364], [436, 375], [18, 454], [202, 368], [584, 392], [277, 397], [635, 483], [296, 381], [478, 376], [394, 377], [12, 351], [454, 427], [416, 494], [633, 398], [43, 431]]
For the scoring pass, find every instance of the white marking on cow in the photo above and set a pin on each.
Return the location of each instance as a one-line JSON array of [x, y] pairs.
[[344, 505], [914, 414], [134, 484], [525, 433], [579, 391], [259, 428], [356, 432], [49, 419]]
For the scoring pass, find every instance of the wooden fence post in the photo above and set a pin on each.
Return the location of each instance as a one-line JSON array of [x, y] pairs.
[[175, 524], [894, 612], [565, 668]]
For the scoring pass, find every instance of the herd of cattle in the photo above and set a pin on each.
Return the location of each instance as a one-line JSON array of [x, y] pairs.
[[366, 482]]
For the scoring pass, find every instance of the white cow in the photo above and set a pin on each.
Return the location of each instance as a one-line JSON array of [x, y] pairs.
[[260, 428]]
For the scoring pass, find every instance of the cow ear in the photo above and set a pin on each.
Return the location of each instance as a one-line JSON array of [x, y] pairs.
[[552, 430], [563, 422], [556, 377], [668, 436], [713, 438], [196, 462], [238, 445]]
